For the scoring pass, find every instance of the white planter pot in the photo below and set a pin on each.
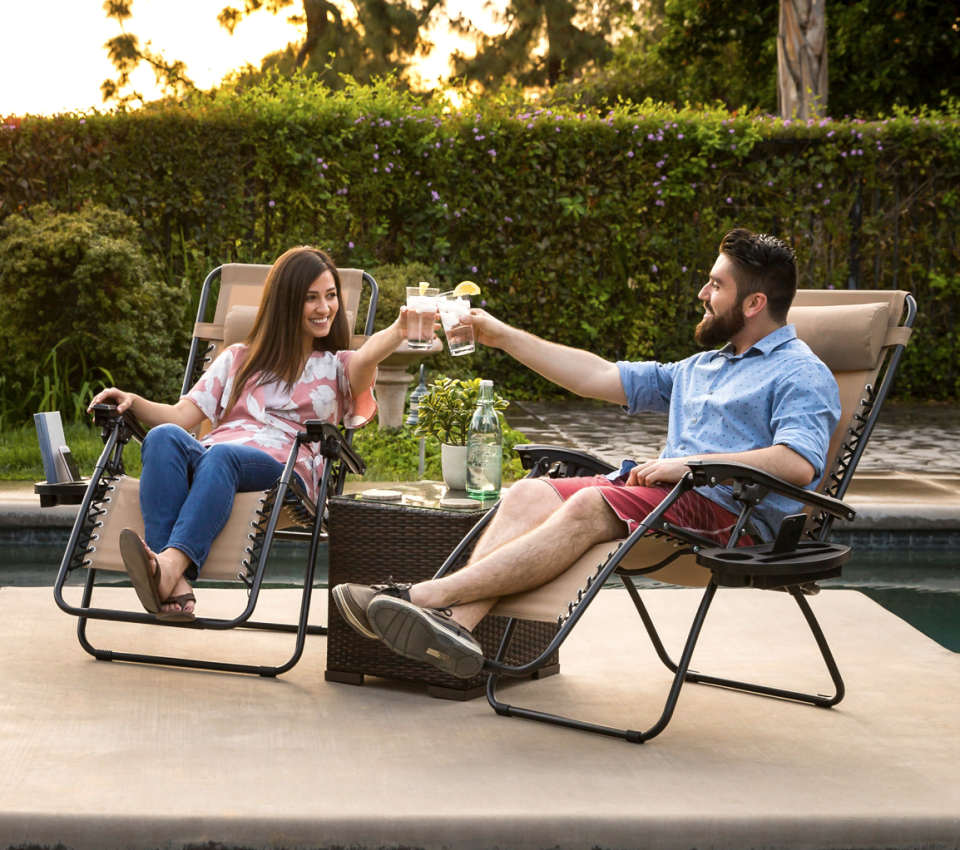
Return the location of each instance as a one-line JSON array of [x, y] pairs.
[[453, 463]]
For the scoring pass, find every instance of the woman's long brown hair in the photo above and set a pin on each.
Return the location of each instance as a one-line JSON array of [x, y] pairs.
[[276, 350]]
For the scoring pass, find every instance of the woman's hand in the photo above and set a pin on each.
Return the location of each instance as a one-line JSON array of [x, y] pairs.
[[111, 395]]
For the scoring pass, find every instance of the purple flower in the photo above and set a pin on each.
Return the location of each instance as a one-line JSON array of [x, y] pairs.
[[654, 269], [376, 147], [830, 286], [630, 153], [507, 219], [830, 134], [659, 203], [435, 195], [376, 156], [483, 303], [273, 203], [734, 131], [349, 244], [843, 153], [769, 182], [819, 185], [374, 169], [473, 269], [650, 136], [389, 165], [826, 202], [679, 135], [83, 120], [729, 200], [733, 147], [558, 129], [683, 269], [492, 152], [437, 145], [416, 173], [530, 126]]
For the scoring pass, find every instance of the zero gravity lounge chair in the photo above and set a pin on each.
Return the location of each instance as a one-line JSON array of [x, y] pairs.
[[860, 337], [241, 551]]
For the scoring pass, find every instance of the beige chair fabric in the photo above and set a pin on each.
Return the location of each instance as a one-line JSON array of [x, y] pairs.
[[122, 510], [851, 331]]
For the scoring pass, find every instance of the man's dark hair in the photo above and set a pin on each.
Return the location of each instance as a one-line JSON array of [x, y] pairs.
[[764, 264]]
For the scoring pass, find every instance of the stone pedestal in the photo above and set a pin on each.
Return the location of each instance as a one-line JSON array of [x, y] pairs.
[[393, 380]]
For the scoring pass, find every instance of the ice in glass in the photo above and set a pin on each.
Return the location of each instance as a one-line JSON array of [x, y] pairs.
[[421, 316], [460, 338]]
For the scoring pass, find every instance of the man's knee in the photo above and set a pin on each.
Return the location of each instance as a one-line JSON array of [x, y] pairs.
[[530, 496], [588, 510]]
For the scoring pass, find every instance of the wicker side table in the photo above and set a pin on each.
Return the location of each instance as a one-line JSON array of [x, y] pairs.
[[371, 541]]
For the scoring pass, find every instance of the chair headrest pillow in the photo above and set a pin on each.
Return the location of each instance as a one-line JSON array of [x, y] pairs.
[[239, 323], [846, 338]]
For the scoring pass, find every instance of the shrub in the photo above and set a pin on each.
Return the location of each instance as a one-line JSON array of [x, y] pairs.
[[591, 229], [80, 284]]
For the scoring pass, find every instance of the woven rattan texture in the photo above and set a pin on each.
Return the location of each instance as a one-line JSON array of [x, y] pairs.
[[371, 542]]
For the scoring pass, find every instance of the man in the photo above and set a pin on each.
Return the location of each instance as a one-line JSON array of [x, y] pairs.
[[764, 399]]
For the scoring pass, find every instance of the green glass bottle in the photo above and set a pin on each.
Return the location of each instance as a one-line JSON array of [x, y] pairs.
[[484, 448]]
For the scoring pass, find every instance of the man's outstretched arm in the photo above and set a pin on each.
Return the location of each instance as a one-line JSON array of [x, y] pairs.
[[579, 371], [781, 461]]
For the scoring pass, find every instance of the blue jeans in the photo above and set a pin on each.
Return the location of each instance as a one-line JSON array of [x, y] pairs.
[[187, 491]]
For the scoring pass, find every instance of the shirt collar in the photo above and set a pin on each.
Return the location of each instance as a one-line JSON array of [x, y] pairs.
[[764, 346]]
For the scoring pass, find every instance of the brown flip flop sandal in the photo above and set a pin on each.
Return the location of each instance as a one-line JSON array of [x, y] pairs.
[[145, 581], [180, 616]]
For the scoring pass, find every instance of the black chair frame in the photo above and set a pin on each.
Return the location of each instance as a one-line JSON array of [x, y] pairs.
[[788, 564], [117, 431]]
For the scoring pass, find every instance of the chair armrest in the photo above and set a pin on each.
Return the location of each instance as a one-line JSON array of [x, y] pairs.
[[106, 416], [335, 445], [710, 473], [576, 463]]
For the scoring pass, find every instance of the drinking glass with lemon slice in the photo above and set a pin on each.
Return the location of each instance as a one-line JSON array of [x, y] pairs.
[[453, 306], [421, 315]]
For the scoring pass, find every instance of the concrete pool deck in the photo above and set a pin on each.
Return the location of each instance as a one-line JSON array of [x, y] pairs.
[[100, 755]]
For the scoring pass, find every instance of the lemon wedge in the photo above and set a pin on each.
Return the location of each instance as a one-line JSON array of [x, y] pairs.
[[424, 286], [466, 287]]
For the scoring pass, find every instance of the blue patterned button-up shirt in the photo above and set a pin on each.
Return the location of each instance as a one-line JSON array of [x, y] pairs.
[[778, 392]]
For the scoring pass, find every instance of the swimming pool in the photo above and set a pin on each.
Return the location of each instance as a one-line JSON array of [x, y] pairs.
[[919, 585]]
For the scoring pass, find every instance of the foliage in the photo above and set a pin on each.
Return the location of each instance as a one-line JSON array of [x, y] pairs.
[[393, 455], [882, 54], [126, 53], [20, 451], [376, 38], [595, 230], [542, 43], [78, 291], [446, 408]]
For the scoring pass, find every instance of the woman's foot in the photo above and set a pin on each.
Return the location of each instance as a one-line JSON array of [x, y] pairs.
[[173, 563]]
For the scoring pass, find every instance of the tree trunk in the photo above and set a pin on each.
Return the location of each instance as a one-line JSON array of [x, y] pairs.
[[802, 59]]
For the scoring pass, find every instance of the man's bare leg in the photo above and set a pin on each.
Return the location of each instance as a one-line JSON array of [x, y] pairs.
[[537, 556]]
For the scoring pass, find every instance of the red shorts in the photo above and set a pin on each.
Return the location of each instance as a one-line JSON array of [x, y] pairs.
[[633, 504]]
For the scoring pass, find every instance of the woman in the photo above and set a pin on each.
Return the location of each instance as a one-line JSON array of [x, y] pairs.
[[293, 366]]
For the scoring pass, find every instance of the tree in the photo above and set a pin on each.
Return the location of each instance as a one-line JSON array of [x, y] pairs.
[[802, 59], [544, 42], [126, 54], [382, 38]]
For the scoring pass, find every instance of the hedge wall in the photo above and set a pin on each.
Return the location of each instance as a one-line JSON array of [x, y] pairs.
[[592, 230]]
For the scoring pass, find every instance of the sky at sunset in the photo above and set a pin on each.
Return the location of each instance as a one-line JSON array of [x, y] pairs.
[[53, 58]]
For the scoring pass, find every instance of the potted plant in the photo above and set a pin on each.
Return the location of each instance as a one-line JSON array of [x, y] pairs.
[[444, 412]]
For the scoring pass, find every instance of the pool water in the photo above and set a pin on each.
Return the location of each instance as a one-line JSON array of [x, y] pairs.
[[921, 586]]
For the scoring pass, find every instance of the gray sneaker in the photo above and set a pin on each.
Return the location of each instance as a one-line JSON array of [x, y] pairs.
[[354, 599], [426, 634]]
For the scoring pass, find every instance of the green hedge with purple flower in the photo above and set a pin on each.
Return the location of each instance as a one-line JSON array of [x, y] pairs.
[[594, 230]]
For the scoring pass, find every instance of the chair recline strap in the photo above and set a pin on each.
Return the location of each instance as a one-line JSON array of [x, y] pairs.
[[897, 336]]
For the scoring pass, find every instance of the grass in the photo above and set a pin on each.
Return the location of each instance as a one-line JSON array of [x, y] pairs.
[[20, 452], [389, 455]]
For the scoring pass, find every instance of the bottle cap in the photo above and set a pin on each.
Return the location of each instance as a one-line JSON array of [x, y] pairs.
[[486, 383]]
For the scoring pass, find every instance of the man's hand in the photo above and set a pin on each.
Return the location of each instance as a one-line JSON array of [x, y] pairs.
[[488, 330], [660, 471]]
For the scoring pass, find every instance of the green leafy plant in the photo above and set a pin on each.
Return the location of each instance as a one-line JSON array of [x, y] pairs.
[[446, 409], [594, 229]]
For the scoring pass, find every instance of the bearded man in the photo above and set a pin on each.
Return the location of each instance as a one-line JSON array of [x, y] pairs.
[[764, 399]]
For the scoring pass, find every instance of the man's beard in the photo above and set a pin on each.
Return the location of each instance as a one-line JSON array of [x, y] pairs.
[[714, 330]]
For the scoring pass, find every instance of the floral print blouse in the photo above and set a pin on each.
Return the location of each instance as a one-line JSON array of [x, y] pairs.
[[321, 392]]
